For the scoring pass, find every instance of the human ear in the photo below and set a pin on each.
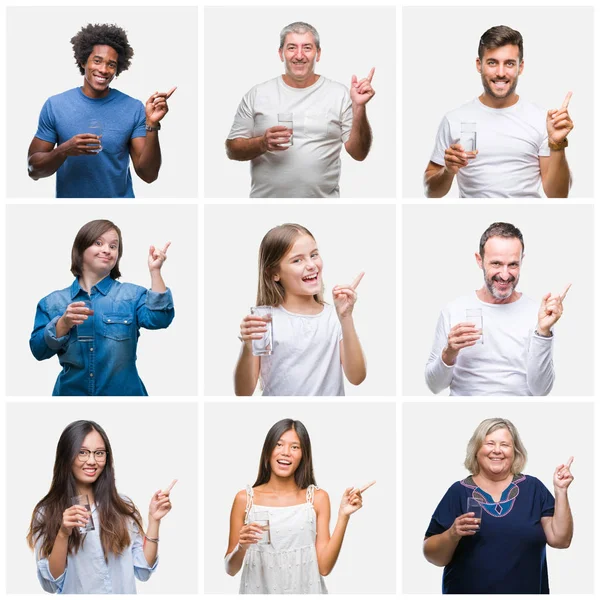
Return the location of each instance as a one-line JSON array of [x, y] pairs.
[[521, 66], [281, 54], [318, 54], [479, 260], [478, 65]]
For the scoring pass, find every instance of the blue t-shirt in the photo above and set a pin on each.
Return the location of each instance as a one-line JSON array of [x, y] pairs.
[[103, 175], [508, 553], [99, 358]]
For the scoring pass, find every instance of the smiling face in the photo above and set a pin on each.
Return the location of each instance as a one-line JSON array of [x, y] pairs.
[[497, 454], [501, 266], [100, 69], [87, 470], [300, 270], [500, 69], [300, 55], [287, 455], [100, 258]]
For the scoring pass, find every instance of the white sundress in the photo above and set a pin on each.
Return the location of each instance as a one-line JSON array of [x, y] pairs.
[[288, 565]]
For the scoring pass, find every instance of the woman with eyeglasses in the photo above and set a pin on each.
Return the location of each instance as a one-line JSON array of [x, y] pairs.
[[108, 558]]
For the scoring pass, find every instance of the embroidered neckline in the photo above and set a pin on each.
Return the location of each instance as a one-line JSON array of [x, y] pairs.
[[507, 499]]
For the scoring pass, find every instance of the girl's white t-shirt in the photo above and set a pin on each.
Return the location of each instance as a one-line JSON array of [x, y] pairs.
[[306, 355]]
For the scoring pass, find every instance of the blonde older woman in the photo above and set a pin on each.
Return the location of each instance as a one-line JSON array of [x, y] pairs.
[[504, 552]]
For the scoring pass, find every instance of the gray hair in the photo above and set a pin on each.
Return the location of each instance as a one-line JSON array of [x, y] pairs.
[[484, 429], [299, 27]]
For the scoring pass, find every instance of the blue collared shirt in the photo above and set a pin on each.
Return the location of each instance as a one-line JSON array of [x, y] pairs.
[[88, 573], [98, 359]]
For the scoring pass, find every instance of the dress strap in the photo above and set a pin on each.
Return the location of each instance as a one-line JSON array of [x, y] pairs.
[[249, 502], [310, 493]]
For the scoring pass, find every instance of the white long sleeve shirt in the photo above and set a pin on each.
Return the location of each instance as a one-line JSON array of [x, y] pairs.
[[512, 360]]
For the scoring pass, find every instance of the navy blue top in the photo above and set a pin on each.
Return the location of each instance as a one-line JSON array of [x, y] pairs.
[[103, 175], [508, 553], [98, 358]]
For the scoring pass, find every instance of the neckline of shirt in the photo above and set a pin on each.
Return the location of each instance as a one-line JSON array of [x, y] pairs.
[[290, 506], [314, 86], [489, 109], [109, 96], [293, 314], [497, 305]]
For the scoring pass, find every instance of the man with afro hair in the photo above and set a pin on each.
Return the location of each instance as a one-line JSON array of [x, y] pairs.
[[87, 134]]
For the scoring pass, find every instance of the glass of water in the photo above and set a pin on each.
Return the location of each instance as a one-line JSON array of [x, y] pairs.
[[475, 316], [287, 120], [263, 346], [83, 500], [468, 136], [95, 126], [262, 520], [85, 331], [474, 507]]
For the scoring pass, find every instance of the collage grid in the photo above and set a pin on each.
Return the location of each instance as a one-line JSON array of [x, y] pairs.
[[191, 407]]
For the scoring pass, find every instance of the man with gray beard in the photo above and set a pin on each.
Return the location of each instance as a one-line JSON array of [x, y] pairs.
[[496, 341]]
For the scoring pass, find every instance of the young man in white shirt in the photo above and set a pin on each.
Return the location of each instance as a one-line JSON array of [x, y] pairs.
[[512, 354], [302, 161], [518, 145]]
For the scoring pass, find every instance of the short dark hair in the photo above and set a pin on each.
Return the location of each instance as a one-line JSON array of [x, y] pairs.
[[304, 475], [102, 35], [85, 237], [499, 36], [505, 230]]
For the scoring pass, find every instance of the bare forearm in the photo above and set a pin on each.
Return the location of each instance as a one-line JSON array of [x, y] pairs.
[[151, 548], [439, 549], [361, 136], [57, 561], [246, 372], [157, 283], [354, 364], [245, 148], [328, 555], [148, 164], [558, 176], [562, 521], [438, 182], [235, 560], [45, 164]]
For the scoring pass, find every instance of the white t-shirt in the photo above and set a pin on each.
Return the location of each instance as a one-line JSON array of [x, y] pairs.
[[322, 117], [512, 360], [306, 355], [510, 142]]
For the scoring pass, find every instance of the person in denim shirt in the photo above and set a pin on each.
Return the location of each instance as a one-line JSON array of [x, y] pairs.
[[100, 548], [93, 325]]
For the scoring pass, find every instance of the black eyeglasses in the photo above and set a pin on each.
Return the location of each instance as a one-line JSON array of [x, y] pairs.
[[99, 455]]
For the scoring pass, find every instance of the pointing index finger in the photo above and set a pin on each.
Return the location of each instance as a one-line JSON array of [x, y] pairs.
[[170, 92], [170, 486], [165, 251], [358, 279], [562, 296], [567, 99], [370, 75], [366, 487], [569, 462]]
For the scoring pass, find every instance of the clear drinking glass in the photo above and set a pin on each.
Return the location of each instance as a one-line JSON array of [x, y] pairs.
[[468, 136], [262, 520], [264, 346], [475, 316], [83, 500], [95, 126], [85, 331], [287, 120], [474, 507]]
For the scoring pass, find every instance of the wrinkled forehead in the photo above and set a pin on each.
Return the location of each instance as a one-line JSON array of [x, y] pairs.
[[498, 247], [299, 39]]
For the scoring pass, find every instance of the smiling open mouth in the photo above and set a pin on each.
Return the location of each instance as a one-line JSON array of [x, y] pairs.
[[313, 277], [284, 463]]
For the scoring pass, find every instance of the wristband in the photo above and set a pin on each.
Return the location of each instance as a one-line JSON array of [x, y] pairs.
[[149, 539], [152, 128]]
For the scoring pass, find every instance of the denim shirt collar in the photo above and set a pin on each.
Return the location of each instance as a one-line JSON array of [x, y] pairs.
[[103, 286]]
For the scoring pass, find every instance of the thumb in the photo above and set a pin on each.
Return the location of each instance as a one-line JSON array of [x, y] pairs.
[[546, 298], [152, 249], [354, 80]]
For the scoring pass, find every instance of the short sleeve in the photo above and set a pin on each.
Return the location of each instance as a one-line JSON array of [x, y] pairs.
[[545, 499], [346, 117], [46, 125], [141, 569], [446, 512], [243, 122], [140, 121], [443, 140]]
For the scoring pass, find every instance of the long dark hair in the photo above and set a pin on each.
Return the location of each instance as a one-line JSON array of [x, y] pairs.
[[304, 474], [114, 511]]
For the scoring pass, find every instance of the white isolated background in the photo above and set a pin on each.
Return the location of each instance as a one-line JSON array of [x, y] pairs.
[[551, 433], [241, 50], [38, 259], [439, 245], [41, 64], [439, 47], [232, 236], [346, 452], [146, 458]]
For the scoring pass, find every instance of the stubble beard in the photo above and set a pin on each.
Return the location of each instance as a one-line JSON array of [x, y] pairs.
[[488, 89]]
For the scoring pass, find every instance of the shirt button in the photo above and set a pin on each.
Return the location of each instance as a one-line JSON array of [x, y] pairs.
[[108, 320], [125, 322], [91, 374], [91, 349]]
